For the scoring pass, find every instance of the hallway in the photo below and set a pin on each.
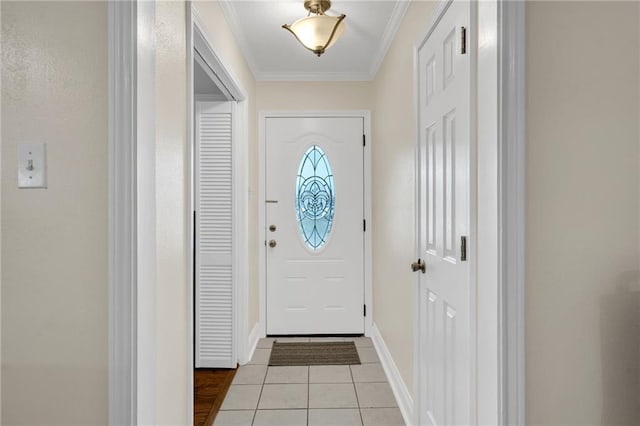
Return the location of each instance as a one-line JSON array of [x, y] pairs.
[[317, 395], [98, 214]]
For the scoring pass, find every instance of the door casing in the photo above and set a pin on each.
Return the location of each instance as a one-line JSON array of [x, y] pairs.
[[262, 169]]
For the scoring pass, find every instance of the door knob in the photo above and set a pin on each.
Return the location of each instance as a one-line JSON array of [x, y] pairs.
[[419, 266], [272, 243]]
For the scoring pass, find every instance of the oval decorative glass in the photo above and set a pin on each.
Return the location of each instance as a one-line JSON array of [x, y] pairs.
[[315, 198]]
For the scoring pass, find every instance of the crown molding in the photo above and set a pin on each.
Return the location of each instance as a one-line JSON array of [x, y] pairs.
[[313, 76], [393, 25]]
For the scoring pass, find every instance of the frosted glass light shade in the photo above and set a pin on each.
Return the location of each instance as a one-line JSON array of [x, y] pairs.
[[317, 32]]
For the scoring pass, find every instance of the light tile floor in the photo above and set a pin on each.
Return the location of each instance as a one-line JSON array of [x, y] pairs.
[[323, 395]]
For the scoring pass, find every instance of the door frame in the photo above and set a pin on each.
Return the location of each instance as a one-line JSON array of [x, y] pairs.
[[220, 73], [498, 168], [132, 208], [262, 227], [132, 243]]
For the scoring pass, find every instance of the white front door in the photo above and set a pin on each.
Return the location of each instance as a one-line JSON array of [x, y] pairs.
[[314, 234], [443, 212]]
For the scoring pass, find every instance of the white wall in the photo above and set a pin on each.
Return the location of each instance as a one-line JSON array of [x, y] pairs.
[[582, 279], [394, 188], [54, 241]]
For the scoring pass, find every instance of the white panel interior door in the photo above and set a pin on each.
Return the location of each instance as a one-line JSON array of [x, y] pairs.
[[314, 217], [444, 117], [214, 236]]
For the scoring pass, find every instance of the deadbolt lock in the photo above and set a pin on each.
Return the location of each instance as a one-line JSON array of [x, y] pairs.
[[272, 243], [272, 228]]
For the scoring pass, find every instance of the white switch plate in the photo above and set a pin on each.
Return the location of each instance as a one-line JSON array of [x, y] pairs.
[[32, 156]]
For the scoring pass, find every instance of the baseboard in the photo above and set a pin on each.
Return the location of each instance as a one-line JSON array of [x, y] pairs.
[[252, 343], [400, 391]]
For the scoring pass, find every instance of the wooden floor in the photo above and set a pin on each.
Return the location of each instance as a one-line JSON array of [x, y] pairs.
[[210, 388]]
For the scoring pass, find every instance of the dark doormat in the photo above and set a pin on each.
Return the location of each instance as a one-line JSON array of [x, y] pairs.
[[314, 353]]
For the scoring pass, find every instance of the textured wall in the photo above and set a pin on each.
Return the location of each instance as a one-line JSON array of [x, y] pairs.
[[394, 188], [171, 227], [582, 287], [54, 241], [312, 96]]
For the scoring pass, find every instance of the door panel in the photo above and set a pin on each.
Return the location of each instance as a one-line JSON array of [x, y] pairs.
[[214, 236], [445, 296], [314, 216]]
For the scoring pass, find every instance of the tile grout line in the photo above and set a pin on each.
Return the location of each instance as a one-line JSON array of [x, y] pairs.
[[356, 392], [308, 391], [308, 408], [255, 413]]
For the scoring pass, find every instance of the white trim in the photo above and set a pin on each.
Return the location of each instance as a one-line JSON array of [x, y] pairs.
[[399, 388], [252, 344], [190, 201], [368, 235], [262, 259], [395, 20], [122, 264], [511, 33], [487, 304], [198, 38], [510, 190], [132, 257], [202, 43], [437, 14], [146, 213], [472, 248], [241, 222], [1, 233], [368, 215], [209, 98]]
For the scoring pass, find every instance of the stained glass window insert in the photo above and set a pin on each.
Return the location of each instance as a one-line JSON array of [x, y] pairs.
[[315, 197]]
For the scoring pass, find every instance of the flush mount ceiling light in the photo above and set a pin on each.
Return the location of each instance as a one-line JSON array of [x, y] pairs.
[[317, 32]]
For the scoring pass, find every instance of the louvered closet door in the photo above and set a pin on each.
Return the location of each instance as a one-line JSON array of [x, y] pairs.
[[214, 236]]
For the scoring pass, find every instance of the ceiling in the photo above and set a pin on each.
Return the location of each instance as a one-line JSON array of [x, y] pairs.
[[274, 54]]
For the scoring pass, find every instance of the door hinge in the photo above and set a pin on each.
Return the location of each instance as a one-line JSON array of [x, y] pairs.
[[463, 248], [364, 140], [364, 225], [463, 41], [364, 310]]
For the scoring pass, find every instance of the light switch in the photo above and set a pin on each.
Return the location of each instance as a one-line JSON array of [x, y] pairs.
[[32, 165]]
